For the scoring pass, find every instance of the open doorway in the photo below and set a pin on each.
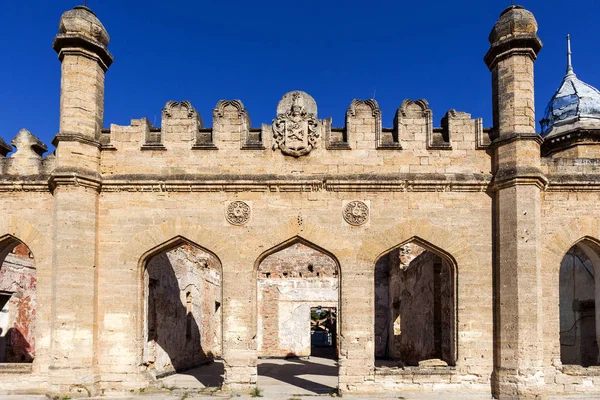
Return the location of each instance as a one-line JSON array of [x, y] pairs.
[[414, 308], [297, 306], [18, 283], [323, 332], [183, 328], [578, 312]]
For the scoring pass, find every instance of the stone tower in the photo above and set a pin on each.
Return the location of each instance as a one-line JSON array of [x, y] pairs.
[[76, 180], [517, 183]]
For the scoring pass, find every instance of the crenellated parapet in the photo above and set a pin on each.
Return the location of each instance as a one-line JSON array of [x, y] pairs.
[[412, 154], [300, 143], [297, 130]]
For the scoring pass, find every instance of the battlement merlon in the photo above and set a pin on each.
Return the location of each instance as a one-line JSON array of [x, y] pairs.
[[182, 127]]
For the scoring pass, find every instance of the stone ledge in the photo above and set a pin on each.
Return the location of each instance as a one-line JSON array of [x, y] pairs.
[[409, 371], [14, 368], [578, 370]]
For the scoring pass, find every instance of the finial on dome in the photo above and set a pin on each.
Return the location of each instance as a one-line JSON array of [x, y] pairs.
[[569, 61]]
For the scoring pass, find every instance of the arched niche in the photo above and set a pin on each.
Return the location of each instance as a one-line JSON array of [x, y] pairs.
[[18, 303], [182, 293], [579, 304], [296, 280], [415, 305]]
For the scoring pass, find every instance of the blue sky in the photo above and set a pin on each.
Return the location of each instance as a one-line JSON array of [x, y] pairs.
[[256, 51]]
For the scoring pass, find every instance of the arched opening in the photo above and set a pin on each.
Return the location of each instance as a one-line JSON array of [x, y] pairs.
[[297, 319], [415, 303], [182, 315], [578, 297], [17, 302]]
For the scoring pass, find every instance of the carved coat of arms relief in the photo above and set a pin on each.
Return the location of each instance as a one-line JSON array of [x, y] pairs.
[[296, 128]]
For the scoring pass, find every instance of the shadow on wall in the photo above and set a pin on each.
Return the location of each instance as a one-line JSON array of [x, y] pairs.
[[174, 341], [577, 291], [414, 297]]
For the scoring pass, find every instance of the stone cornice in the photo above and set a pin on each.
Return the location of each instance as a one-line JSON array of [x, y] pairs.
[[274, 183], [516, 176], [570, 139], [573, 183], [74, 177], [513, 137], [81, 45], [529, 45], [75, 137], [330, 183], [24, 184]]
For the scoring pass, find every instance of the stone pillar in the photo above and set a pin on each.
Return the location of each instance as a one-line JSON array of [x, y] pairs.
[[239, 322], [518, 182], [81, 47], [356, 324]]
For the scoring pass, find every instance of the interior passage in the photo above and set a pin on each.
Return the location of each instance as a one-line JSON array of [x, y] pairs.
[[17, 305], [183, 309], [414, 308], [297, 302], [578, 312]]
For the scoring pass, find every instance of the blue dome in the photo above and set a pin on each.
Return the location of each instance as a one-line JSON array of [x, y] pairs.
[[574, 101]]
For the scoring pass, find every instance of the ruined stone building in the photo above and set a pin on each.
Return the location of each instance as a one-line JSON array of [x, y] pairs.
[[446, 259]]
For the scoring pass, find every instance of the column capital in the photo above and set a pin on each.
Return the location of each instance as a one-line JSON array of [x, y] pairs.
[[81, 33]]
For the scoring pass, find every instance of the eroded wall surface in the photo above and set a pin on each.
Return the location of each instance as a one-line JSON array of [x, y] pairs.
[[18, 315], [578, 339], [291, 282], [183, 309], [414, 307]]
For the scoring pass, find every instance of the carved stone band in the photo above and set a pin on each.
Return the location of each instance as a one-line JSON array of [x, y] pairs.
[[237, 213], [356, 213]]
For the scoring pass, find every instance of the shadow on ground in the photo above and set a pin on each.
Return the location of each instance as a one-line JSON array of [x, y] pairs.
[[314, 374], [209, 375]]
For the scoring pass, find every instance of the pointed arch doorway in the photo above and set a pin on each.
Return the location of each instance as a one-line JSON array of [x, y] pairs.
[[298, 293]]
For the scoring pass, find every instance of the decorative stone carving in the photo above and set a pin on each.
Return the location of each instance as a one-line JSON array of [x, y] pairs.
[[296, 127], [356, 213], [219, 111], [176, 109], [238, 213], [411, 117]]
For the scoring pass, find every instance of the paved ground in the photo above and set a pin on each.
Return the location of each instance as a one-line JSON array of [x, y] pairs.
[[276, 377], [293, 379], [190, 396]]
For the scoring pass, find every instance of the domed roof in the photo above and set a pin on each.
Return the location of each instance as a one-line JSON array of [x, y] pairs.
[[513, 21], [82, 21], [574, 101]]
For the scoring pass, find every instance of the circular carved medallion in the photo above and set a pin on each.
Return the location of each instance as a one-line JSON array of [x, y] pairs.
[[356, 213], [238, 213]]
